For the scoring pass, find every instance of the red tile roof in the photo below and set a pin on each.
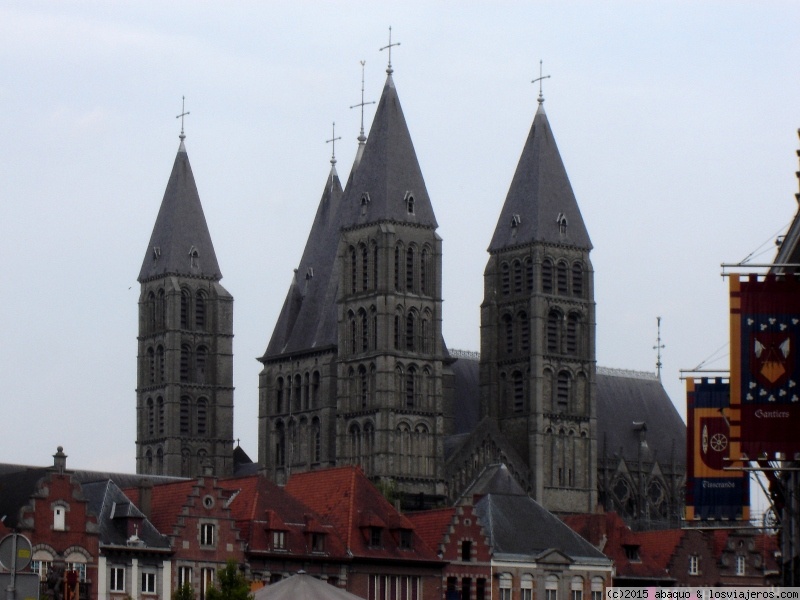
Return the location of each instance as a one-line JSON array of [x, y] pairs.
[[432, 525], [350, 501]]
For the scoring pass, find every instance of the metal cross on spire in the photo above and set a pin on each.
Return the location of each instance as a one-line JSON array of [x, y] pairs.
[[332, 141], [539, 79], [658, 347], [184, 112], [389, 69], [361, 136]]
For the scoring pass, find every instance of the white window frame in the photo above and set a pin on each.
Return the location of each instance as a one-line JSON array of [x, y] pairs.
[[59, 517], [207, 534], [184, 575], [505, 586], [148, 582], [694, 564], [741, 565], [278, 539], [526, 587], [207, 576], [116, 579]]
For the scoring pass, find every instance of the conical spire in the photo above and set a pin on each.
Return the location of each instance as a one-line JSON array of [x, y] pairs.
[[389, 175], [540, 205], [311, 279], [180, 243]]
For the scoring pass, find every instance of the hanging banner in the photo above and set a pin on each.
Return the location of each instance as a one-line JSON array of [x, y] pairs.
[[711, 491], [765, 363]]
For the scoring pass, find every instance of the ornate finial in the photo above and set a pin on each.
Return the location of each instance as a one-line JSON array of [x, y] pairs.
[[332, 141], [361, 137], [184, 112], [658, 347], [389, 69], [539, 79]]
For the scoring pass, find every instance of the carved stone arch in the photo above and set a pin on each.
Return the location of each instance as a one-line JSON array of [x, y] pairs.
[[399, 266], [505, 278], [518, 276], [577, 276], [562, 278], [555, 319], [547, 276]]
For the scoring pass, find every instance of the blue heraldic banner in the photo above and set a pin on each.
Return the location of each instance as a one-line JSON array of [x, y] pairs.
[[711, 491]]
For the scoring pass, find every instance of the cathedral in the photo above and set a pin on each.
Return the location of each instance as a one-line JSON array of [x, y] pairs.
[[357, 370]]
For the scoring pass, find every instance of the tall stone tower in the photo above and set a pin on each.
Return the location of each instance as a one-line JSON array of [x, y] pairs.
[[184, 395], [537, 367], [354, 372]]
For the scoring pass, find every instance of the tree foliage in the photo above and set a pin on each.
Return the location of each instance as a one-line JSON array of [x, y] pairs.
[[230, 584], [184, 592]]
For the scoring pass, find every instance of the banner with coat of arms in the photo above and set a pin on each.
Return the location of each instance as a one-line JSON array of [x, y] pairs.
[[765, 364], [711, 491]]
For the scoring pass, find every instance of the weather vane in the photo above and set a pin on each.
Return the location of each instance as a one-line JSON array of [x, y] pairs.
[[361, 136], [539, 79], [389, 69], [332, 141], [184, 112]]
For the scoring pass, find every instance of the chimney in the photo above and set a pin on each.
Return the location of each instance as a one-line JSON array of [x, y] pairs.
[[146, 497], [60, 460]]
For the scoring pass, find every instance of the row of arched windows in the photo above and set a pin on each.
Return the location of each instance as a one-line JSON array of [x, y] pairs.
[[194, 416], [297, 393], [361, 445], [414, 447], [564, 333], [515, 333], [362, 330], [567, 446], [513, 387], [360, 387], [414, 387], [561, 278], [567, 393], [154, 416], [413, 331], [363, 267], [194, 365], [193, 315], [191, 463], [156, 365], [298, 442], [413, 272]]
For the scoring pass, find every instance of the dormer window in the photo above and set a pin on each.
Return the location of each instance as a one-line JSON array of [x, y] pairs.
[[375, 537], [194, 258], [409, 198], [632, 552], [406, 539], [279, 540], [318, 542], [156, 253], [515, 220], [364, 203], [561, 219]]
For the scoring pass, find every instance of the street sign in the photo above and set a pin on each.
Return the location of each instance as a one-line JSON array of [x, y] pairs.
[[15, 552], [26, 584]]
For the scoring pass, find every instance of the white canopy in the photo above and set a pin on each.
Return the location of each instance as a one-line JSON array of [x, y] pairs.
[[303, 587]]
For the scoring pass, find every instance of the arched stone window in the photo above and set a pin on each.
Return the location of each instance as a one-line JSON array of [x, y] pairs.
[[364, 267], [186, 358], [185, 302], [518, 281], [508, 333], [159, 461], [150, 317], [562, 392], [151, 417], [151, 365], [363, 386], [353, 269], [410, 330], [306, 391], [279, 396], [200, 364], [524, 331], [403, 435], [362, 317], [410, 283], [422, 450], [296, 393], [316, 441], [355, 444], [351, 318], [554, 331], [411, 385], [573, 330], [315, 389], [162, 366], [424, 272], [547, 276], [577, 279], [519, 391], [561, 278], [368, 447], [161, 310], [160, 410], [185, 415], [505, 279], [398, 265], [200, 311], [202, 416], [528, 275], [375, 270], [280, 444]]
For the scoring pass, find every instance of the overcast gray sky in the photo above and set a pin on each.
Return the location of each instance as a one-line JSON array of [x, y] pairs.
[[676, 122]]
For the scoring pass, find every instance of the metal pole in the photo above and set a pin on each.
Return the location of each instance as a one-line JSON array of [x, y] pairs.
[[11, 590]]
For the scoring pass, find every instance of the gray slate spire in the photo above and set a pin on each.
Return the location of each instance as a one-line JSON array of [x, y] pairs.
[[388, 172], [180, 243], [540, 197], [306, 305]]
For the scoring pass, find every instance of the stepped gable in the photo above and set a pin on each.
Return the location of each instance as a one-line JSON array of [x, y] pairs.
[[307, 309], [625, 401], [347, 499], [180, 243], [388, 172], [539, 195], [166, 502]]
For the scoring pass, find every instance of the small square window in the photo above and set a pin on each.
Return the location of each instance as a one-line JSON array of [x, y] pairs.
[[375, 536], [318, 542]]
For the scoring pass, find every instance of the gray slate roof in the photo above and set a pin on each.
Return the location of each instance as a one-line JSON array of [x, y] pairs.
[[388, 170], [16, 488], [112, 507], [517, 527], [308, 317], [179, 228], [625, 400], [540, 191]]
